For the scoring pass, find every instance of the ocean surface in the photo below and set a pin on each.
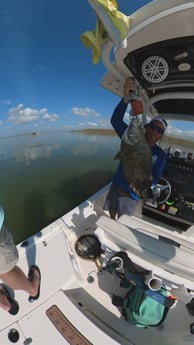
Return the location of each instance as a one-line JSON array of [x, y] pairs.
[[45, 175]]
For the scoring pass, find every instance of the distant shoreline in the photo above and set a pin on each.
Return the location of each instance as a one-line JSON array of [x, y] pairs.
[[19, 135], [99, 131], [167, 139]]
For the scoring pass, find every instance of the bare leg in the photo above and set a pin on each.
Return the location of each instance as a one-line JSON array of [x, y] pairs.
[[17, 280]]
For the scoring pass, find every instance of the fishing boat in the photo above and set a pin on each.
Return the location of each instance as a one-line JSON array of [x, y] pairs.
[[75, 304]]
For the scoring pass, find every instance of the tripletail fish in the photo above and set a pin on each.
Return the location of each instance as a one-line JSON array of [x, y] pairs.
[[136, 158]]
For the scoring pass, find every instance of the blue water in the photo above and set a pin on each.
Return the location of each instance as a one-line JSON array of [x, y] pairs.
[[45, 175]]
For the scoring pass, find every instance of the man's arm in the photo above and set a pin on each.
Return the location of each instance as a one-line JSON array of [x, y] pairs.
[[118, 114], [117, 118]]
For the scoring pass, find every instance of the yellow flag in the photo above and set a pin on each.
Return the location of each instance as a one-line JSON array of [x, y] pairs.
[[110, 23]]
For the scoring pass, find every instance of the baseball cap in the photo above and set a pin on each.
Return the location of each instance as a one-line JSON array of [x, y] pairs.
[[161, 120]]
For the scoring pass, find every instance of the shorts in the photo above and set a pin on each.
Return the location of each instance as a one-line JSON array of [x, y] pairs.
[[121, 204], [8, 251]]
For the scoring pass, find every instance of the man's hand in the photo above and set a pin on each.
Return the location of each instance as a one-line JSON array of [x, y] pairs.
[[128, 87]]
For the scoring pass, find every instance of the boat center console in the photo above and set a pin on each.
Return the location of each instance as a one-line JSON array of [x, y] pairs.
[[178, 209]]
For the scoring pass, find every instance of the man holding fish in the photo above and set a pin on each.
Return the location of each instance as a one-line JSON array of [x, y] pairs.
[[142, 161]]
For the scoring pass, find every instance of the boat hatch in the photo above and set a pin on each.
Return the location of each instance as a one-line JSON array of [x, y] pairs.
[[166, 67]]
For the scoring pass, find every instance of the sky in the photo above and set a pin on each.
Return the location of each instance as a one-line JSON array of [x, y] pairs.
[[47, 78]]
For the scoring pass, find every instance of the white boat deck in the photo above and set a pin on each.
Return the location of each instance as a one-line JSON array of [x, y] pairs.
[[71, 309]]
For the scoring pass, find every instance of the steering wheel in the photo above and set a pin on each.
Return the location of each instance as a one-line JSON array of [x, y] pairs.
[[161, 192]]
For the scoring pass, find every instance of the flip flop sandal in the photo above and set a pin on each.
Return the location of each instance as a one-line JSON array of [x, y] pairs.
[[13, 303], [31, 277]]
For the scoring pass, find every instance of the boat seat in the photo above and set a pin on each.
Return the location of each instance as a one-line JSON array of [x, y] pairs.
[[184, 239], [156, 252]]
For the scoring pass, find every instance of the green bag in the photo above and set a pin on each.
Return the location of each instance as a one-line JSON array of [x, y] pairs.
[[141, 306], [141, 309]]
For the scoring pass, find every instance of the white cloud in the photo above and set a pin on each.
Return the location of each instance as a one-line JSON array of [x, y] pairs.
[[173, 130], [84, 112], [46, 116], [190, 133], [43, 110], [50, 117], [88, 124], [93, 124], [21, 115]]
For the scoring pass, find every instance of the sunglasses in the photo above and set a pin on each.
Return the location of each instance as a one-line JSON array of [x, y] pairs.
[[157, 128]]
